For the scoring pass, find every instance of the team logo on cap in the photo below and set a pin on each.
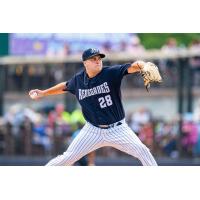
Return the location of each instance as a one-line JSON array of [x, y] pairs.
[[93, 50]]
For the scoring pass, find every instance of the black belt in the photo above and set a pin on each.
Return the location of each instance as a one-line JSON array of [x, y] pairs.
[[109, 126]]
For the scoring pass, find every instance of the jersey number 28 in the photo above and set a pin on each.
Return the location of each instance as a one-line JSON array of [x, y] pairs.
[[105, 101]]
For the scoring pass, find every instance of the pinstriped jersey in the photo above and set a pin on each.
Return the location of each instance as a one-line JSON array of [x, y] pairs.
[[100, 96]]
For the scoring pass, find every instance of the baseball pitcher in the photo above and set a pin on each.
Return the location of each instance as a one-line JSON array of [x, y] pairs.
[[97, 89]]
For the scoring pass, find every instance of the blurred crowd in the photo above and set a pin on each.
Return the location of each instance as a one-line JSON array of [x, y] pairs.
[[178, 137], [31, 133], [62, 45], [114, 43], [28, 132], [49, 74], [57, 44], [119, 43]]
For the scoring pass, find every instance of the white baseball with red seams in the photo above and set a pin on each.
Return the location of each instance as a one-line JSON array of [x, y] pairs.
[[91, 138]]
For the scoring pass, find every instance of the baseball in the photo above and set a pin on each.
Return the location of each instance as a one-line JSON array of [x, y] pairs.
[[33, 95]]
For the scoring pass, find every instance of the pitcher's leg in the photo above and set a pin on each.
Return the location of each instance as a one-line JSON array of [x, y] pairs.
[[86, 141], [124, 139]]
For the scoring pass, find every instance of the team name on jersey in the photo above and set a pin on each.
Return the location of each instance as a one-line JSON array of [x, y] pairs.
[[103, 88]]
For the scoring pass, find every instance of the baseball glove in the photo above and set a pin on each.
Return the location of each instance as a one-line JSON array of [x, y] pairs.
[[150, 73]]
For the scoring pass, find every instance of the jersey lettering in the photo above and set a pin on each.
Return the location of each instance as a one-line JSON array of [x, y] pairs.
[[100, 89]]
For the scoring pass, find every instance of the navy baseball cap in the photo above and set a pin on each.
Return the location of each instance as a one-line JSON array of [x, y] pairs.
[[89, 53]]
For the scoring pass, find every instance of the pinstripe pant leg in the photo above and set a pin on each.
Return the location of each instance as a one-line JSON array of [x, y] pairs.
[[88, 140], [124, 139]]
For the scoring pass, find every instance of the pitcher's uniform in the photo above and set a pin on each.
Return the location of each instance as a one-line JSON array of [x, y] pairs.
[[100, 100]]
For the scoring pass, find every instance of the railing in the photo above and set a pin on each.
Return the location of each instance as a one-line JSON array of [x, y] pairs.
[[148, 55]]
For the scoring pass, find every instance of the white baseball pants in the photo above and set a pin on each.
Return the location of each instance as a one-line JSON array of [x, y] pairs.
[[91, 138]]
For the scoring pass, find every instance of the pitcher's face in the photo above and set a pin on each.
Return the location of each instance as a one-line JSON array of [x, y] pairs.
[[94, 64]]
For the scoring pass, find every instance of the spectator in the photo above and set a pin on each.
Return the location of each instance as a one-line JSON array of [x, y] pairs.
[[107, 47], [170, 65], [60, 116], [190, 135], [146, 134], [123, 46], [195, 62], [195, 45], [135, 47], [170, 46], [139, 118], [64, 51], [41, 137], [196, 149]]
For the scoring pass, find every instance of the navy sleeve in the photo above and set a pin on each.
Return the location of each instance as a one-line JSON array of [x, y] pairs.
[[120, 70], [71, 85]]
